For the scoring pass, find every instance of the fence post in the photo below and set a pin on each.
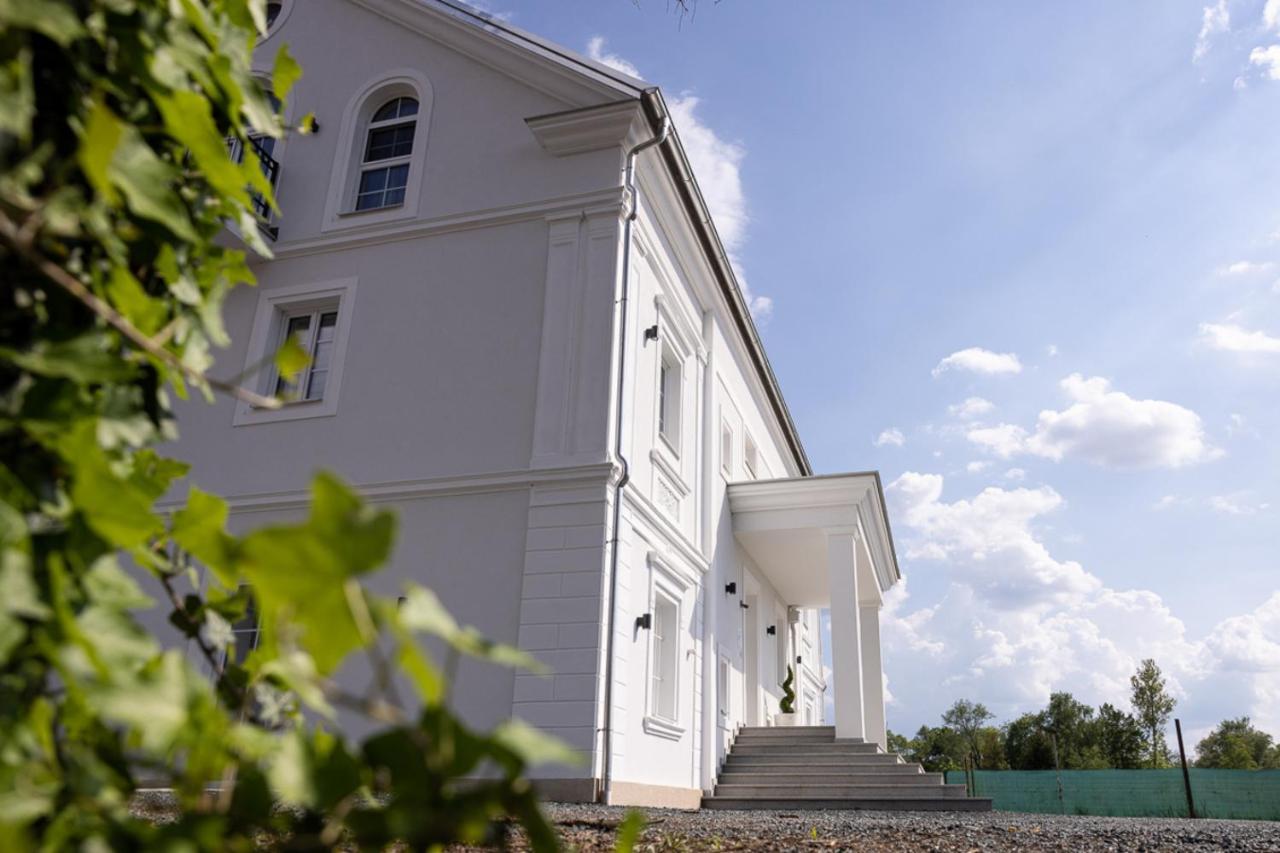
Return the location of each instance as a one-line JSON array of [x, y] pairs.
[[1186, 774], [1057, 767]]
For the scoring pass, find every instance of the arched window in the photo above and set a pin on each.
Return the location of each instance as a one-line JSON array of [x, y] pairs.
[[388, 146], [273, 12]]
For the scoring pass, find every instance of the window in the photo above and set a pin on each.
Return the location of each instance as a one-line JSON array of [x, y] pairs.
[[750, 456], [273, 13], [726, 450], [314, 331], [669, 401], [317, 316], [783, 661], [665, 656], [388, 146], [722, 689]]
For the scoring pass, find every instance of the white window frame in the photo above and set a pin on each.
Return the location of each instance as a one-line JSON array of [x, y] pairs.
[[340, 212], [275, 306], [665, 582], [309, 343], [670, 391], [726, 449], [750, 456], [386, 163]]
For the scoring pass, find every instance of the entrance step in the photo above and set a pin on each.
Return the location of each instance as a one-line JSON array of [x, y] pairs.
[[809, 768]]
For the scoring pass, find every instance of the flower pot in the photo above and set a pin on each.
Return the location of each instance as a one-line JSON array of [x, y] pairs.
[[784, 720]]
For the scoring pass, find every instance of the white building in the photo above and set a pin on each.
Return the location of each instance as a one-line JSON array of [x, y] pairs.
[[529, 373]]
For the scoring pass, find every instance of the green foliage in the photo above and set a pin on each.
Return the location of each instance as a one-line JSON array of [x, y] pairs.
[[115, 185], [966, 719], [1120, 738], [629, 832], [787, 704], [1237, 745], [1153, 706]]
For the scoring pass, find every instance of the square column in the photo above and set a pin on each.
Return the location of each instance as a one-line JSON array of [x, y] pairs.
[[872, 676], [846, 635]]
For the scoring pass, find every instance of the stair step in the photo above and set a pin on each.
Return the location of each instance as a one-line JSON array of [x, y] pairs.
[[968, 804], [802, 748], [851, 760], [831, 730], [827, 778], [877, 791]]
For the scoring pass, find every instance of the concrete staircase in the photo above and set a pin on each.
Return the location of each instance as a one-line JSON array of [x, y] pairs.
[[807, 768]]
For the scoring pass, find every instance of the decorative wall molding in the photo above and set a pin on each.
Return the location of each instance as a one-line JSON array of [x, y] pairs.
[[399, 490], [588, 129]]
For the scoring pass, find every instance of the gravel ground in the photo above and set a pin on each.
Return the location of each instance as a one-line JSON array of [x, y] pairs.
[[591, 828]]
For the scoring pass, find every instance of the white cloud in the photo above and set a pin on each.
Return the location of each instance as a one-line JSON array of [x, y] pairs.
[[891, 436], [971, 408], [1168, 502], [1051, 350], [1271, 15], [1235, 505], [1239, 84], [596, 50], [977, 466], [1247, 268], [1216, 19], [1267, 58], [1237, 424], [1105, 427], [1016, 622], [1233, 338], [1015, 474], [979, 360], [716, 164]]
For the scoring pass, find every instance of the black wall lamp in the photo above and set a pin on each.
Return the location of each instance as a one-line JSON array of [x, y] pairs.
[[651, 333], [731, 588], [799, 660], [744, 605], [645, 621], [772, 630]]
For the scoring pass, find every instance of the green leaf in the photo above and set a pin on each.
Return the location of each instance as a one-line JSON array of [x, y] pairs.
[[57, 21], [533, 746], [292, 770], [88, 358], [284, 73], [98, 141], [423, 612], [115, 509], [291, 359], [108, 584], [128, 297], [200, 528], [189, 118], [21, 595], [629, 832]]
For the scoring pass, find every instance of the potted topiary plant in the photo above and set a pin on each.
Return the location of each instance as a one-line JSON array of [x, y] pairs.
[[787, 705]]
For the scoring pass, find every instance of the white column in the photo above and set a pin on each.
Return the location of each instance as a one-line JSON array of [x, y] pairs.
[[846, 639], [872, 676]]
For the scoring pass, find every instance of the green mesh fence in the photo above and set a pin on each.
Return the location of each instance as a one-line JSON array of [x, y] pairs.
[[1238, 794]]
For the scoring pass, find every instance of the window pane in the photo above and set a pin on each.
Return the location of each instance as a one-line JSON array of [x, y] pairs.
[[662, 398], [382, 187], [273, 12], [387, 142], [373, 180], [296, 328], [396, 108], [665, 658], [315, 386]]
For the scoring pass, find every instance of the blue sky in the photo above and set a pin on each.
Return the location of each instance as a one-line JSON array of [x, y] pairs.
[[1064, 214]]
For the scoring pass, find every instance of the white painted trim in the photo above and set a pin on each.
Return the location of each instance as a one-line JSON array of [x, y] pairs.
[[590, 129], [376, 234], [399, 490], [339, 209], [663, 525], [273, 303], [663, 459], [663, 728]]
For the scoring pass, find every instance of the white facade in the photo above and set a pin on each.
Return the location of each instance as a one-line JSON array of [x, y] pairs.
[[469, 356]]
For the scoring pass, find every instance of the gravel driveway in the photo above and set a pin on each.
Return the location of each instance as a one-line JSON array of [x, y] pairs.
[[588, 827]]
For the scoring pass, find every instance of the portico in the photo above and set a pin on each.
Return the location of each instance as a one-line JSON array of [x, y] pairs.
[[825, 542]]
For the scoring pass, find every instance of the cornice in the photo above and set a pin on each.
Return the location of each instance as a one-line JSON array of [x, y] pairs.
[[587, 129]]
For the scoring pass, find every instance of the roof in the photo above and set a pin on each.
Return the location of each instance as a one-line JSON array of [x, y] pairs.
[[674, 157]]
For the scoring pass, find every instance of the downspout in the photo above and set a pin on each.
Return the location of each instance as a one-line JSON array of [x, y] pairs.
[[712, 588], [629, 174]]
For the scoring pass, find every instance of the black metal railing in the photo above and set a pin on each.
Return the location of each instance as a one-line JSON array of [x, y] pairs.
[[270, 169]]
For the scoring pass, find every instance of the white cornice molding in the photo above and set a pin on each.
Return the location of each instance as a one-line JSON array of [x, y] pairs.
[[588, 129], [609, 199], [399, 490]]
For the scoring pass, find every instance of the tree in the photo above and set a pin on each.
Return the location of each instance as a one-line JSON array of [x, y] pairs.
[[1237, 745], [115, 191], [1120, 738], [966, 719], [1153, 706], [1027, 744]]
